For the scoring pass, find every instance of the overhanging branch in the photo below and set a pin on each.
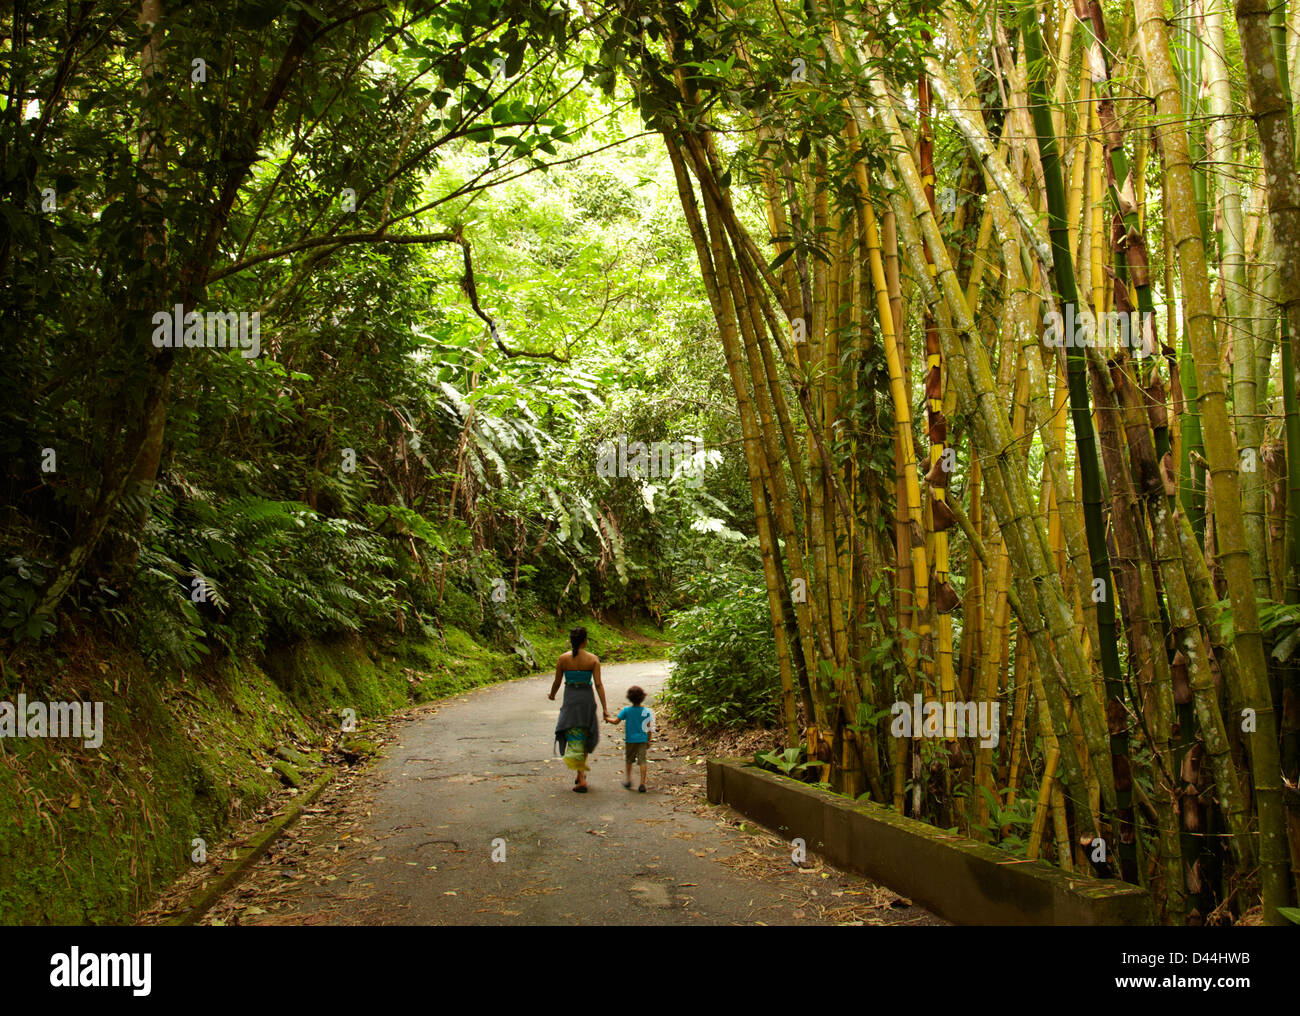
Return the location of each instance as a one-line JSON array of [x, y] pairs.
[[337, 240]]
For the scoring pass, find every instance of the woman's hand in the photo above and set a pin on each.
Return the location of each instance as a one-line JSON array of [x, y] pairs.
[[551, 696]]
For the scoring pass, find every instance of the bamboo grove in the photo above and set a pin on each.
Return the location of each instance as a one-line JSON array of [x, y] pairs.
[[899, 210]]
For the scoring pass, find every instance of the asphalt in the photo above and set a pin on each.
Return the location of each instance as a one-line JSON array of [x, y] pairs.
[[469, 818]]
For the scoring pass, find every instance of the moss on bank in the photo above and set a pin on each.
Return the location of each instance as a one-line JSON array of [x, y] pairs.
[[89, 835]]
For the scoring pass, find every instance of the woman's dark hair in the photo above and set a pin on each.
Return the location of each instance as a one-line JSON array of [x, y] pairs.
[[576, 638], [636, 694]]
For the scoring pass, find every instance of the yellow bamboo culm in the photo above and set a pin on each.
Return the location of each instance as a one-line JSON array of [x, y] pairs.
[[1097, 199], [1078, 166], [902, 407], [903, 437], [1044, 799]]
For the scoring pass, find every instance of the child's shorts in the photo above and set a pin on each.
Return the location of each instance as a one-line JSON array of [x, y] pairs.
[[634, 751]]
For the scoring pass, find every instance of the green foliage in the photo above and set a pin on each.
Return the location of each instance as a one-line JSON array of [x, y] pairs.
[[1017, 820], [1281, 626], [268, 570], [790, 762], [1279, 623], [725, 671], [19, 590], [383, 464]]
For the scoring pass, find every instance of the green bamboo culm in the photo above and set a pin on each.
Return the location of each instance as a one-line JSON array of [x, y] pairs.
[[1188, 56], [1191, 482], [1291, 545], [1135, 265], [1084, 437], [1290, 738], [1291, 413], [1290, 344], [1277, 29], [1191, 478]]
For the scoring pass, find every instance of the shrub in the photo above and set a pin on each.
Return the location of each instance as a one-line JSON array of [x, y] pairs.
[[724, 661]]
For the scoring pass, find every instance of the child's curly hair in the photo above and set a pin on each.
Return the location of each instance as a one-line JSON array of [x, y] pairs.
[[636, 694]]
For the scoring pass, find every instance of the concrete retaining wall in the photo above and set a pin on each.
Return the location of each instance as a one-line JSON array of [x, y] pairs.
[[957, 878]]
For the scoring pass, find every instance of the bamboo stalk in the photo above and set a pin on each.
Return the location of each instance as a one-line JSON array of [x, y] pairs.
[[1085, 442], [1024, 307], [1006, 495], [724, 311], [1247, 638]]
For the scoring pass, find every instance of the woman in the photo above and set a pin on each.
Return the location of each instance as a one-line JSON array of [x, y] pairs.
[[576, 732]]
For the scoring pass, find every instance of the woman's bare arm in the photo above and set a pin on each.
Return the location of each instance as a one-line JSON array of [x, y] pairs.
[[600, 688], [559, 676]]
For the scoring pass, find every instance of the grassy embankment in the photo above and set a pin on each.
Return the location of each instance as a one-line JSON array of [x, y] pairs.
[[88, 835]]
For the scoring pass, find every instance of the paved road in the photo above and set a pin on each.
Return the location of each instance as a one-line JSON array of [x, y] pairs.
[[412, 841]]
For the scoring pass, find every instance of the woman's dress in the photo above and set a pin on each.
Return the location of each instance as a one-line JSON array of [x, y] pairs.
[[577, 731]]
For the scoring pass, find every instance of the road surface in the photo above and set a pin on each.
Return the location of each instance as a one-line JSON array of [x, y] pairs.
[[469, 818]]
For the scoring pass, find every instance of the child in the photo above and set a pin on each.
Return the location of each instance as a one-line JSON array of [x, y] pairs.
[[639, 723]]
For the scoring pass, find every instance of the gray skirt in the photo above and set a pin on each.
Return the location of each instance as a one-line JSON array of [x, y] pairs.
[[578, 710]]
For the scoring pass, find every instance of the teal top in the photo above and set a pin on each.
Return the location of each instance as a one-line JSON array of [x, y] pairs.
[[638, 722], [577, 677]]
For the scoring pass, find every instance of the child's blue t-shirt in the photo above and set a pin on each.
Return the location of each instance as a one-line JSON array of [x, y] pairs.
[[637, 722]]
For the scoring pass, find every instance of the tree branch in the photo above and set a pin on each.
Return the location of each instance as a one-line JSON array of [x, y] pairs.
[[471, 291], [334, 240]]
